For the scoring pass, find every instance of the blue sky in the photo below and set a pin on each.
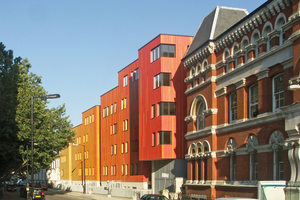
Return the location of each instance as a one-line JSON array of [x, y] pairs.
[[78, 46]]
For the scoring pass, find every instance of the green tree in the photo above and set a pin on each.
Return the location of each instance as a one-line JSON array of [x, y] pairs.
[[9, 143], [52, 129]]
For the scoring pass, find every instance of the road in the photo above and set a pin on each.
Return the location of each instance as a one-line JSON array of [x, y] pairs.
[[50, 195]]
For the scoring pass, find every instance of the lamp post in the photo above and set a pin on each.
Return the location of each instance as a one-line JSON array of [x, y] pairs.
[[50, 96], [83, 165]]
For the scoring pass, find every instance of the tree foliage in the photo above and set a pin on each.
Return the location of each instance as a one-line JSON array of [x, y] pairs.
[[52, 129], [9, 143]]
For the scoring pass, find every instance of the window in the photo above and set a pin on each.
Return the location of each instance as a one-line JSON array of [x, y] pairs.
[[122, 148], [233, 108], [278, 164], [86, 137], [162, 50], [162, 79], [115, 129], [278, 93], [126, 147], [112, 150], [253, 165], [87, 155], [126, 170], [136, 169], [136, 145], [125, 125], [276, 142], [123, 103], [122, 170], [251, 144], [111, 109], [125, 80], [231, 146], [166, 108], [115, 149], [131, 169], [132, 146], [153, 111], [136, 74], [115, 107], [83, 138], [164, 137], [105, 112], [153, 139], [200, 115], [253, 101]]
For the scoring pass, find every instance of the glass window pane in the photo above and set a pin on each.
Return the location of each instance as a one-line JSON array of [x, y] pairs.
[[171, 51], [172, 109], [167, 137], [164, 51], [166, 79]]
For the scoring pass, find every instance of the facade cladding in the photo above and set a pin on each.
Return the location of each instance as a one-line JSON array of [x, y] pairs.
[[219, 109]]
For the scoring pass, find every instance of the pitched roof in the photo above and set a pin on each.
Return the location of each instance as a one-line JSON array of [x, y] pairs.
[[214, 24]]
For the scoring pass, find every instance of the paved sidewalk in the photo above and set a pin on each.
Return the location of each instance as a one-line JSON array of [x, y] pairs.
[[88, 196]]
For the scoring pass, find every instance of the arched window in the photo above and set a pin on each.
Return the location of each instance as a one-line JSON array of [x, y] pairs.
[[251, 144], [206, 149], [198, 107], [280, 21], [276, 141], [192, 149], [265, 34], [231, 146], [198, 68], [200, 116], [278, 92], [254, 38], [245, 43]]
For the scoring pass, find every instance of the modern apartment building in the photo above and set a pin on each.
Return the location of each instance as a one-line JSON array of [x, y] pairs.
[[142, 125], [242, 113], [136, 139], [80, 162]]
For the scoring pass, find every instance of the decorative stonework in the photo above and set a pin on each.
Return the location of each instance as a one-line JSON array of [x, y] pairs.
[[221, 92], [252, 142], [240, 84], [276, 140], [262, 74]]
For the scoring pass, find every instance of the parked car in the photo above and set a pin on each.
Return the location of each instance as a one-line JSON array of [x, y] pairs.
[[44, 186], [153, 197], [11, 187], [37, 194]]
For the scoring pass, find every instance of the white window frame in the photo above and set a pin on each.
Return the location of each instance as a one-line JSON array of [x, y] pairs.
[[125, 80], [280, 93]]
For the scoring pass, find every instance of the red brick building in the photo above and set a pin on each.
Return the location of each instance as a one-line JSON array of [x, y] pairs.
[[242, 115]]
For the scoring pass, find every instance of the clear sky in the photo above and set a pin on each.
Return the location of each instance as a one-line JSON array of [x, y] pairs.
[[78, 46]]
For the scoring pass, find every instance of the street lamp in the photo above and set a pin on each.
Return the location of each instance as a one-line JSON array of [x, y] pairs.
[[83, 165], [50, 96]]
